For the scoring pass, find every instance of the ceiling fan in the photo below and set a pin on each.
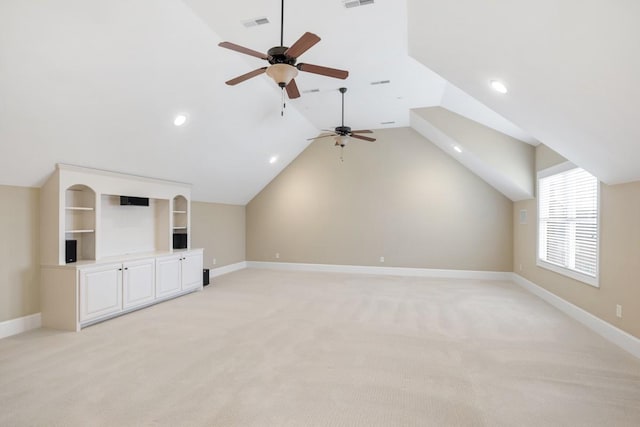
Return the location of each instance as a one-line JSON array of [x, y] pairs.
[[342, 132], [282, 60]]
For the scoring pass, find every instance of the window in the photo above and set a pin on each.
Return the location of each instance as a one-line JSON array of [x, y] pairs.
[[568, 227]]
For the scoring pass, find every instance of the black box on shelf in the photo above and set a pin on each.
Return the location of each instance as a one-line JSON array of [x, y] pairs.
[[179, 241], [70, 251]]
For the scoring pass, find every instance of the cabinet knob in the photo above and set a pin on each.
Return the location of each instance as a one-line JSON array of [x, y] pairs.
[[119, 269], [126, 268]]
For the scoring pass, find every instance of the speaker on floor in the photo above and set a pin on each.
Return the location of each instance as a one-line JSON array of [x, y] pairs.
[[205, 277]]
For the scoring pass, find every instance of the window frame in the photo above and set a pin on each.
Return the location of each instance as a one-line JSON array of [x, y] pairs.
[[573, 274]]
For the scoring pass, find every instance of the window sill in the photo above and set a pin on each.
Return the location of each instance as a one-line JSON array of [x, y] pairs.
[[589, 280]]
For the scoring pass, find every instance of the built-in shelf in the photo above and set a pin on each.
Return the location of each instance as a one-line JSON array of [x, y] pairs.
[[180, 222], [79, 231], [78, 208]]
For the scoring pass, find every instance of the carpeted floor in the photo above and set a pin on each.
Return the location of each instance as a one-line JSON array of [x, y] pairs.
[[269, 348]]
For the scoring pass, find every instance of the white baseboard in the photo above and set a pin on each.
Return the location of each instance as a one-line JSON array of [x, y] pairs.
[[617, 336], [215, 272], [384, 271], [20, 325]]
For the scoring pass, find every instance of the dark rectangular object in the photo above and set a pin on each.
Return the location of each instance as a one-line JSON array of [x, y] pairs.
[[205, 277], [70, 251], [179, 241], [134, 201]]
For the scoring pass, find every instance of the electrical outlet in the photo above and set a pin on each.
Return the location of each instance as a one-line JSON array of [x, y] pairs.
[[277, 255], [213, 261], [618, 310], [381, 259]]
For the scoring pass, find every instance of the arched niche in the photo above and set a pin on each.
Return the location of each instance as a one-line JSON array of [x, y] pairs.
[[80, 223]]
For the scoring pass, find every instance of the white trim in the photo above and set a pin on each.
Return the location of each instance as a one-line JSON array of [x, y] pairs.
[[555, 169], [104, 172], [215, 272], [617, 336], [572, 274], [385, 271], [20, 325]]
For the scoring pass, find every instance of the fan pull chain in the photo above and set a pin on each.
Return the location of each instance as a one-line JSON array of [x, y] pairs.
[[341, 153], [284, 104]]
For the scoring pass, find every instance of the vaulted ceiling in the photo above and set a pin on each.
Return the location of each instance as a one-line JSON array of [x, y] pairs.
[[98, 83]]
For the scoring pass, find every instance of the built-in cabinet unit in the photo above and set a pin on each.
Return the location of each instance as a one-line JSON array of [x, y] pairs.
[[125, 256]]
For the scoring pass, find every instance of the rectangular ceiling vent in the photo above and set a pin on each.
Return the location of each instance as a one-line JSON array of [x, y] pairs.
[[311, 91], [387, 123], [355, 3], [255, 22], [381, 82]]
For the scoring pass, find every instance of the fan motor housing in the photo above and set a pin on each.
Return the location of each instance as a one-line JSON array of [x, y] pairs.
[[277, 56], [343, 130]]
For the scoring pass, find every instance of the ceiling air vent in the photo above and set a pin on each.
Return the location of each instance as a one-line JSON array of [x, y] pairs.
[[255, 22], [381, 82], [311, 91], [387, 123], [356, 3]]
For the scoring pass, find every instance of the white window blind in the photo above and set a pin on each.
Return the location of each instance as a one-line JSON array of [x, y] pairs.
[[568, 222]]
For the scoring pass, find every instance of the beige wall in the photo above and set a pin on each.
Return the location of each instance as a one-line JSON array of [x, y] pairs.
[[19, 253], [619, 254], [400, 197], [220, 230]]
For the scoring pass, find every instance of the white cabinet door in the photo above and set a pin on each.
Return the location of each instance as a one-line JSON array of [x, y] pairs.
[[168, 275], [191, 270], [138, 283], [100, 291]]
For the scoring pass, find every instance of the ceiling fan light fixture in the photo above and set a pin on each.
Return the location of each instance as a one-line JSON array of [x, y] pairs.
[[282, 74], [342, 140]]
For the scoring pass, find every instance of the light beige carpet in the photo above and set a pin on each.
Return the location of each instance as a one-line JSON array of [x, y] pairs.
[[266, 348]]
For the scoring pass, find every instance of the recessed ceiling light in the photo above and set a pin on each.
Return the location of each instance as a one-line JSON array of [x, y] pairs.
[[273, 159], [180, 120], [498, 86], [458, 149]]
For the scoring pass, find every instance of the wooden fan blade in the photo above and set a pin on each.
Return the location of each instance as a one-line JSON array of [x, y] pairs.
[[324, 71], [292, 90], [361, 131], [321, 136], [247, 76], [303, 44], [242, 49], [366, 138]]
